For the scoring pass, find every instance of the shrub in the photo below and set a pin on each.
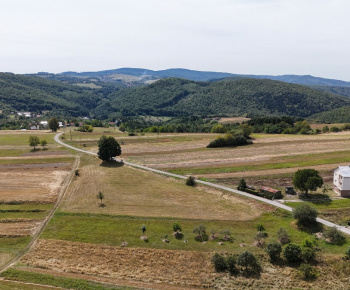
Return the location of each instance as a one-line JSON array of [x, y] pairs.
[[177, 227], [229, 140], [219, 263], [305, 214], [260, 227], [283, 236], [231, 264], [307, 271], [76, 172], [249, 262], [190, 181], [274, 251], [334, 236], [325, 129], [201, 233], [334, 129], [260, 235], [308, 254], [292, 253], [226, 236]]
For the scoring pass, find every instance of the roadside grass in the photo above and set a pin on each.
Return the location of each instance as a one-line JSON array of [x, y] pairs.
[[114, 230], [337, 211], [45, 279], [275, 163]]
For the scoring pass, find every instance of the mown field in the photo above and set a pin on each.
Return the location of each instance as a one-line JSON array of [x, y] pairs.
[[30, 182], [88, 243]]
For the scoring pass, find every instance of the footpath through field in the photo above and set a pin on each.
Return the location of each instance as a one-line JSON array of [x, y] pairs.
[[271, 202]]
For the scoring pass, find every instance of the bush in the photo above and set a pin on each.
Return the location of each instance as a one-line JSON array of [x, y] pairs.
[[308, 271], [334, 236], [274, 250], [283, 236], [177, 227], [201, 233], [260, 227], [334, 129], [305, 214], [231, 264], [292, 253], [249, 262], [229, 140], [219, 263], [190, 181], [308, 254]]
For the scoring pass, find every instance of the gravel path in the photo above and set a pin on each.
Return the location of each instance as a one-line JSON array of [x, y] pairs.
[[271, 202]]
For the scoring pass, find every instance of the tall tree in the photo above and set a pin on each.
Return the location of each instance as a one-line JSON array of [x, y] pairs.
[[307, 179], [34, 141], [108, 148], [53, 124]]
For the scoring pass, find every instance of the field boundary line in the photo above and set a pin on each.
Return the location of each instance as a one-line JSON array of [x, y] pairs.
[[235, 191], [62, 193]]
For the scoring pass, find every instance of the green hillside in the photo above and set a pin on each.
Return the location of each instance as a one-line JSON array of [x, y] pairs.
[[238, 97], [25, 93], [340, 115]]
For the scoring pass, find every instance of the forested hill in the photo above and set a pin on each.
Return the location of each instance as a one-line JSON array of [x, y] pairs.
[[34, 94], [339, 115], [240, 97]]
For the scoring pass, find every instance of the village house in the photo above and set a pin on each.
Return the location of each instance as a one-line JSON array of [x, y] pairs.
[[341, 181]]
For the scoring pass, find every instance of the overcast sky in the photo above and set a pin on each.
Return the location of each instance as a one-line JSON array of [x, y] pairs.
[[238, 36]]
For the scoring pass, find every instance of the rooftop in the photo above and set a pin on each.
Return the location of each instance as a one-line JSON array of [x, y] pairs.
[[344, 171]]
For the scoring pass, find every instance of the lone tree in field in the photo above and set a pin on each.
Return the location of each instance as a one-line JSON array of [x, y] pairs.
[[100, 196], [34, 141], [307, 179], [108, 148], [53, 124]]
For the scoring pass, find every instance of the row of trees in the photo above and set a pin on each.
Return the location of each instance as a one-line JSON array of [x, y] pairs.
[[35, 141]]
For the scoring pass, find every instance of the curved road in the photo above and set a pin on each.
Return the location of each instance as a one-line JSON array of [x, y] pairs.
[[271, 202]]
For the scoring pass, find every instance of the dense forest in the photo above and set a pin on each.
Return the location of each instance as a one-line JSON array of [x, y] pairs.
[[171, 97], [238, 97]]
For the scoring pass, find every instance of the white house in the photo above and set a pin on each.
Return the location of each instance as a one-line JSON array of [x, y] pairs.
[[341, 181]]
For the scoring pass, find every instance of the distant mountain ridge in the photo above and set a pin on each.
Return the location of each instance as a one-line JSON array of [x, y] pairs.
[[207, 76]]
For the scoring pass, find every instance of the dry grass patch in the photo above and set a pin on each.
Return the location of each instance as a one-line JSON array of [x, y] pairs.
[[130, 191], [18, 227], [148, 265], [35, 184]]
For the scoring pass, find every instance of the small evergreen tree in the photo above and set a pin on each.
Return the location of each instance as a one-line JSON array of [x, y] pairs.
[[190, 181], [242, 185], [219, 263], [292, 253], [100, 196], [305, 214]]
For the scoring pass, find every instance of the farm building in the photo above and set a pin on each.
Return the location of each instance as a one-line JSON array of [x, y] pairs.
[[341, 181]]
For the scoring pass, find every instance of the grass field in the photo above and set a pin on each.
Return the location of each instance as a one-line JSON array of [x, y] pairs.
[[85, 241], [134, 192], [29, 185]]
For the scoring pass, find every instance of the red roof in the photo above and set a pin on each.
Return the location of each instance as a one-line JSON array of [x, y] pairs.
[[269, 189]]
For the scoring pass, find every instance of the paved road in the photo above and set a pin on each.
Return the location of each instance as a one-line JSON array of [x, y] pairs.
[[271, 202]]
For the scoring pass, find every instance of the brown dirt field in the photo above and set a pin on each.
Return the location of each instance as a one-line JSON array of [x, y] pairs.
[[173, 268], [39, 183], [18, 227], [130, 191], [194, 154], [135, 264]]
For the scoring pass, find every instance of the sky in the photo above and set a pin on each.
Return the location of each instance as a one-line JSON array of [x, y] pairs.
[[268, 37]]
